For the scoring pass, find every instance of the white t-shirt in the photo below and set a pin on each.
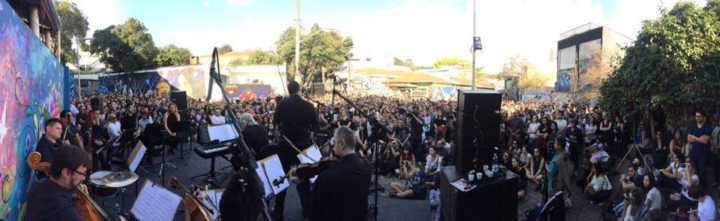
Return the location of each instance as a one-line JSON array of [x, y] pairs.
[[561, 124], [653, 199], [532, 129], [706, 209], [600, 183], [144, 122], [114, 129]]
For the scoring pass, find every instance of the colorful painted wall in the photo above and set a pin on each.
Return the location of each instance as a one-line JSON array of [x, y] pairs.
[[31, 90]]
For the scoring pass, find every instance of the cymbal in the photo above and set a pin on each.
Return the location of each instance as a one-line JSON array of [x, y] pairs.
[[113, 179]]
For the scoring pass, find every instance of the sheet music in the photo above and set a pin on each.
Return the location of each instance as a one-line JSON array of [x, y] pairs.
[[136, 156], [155, 203], [266, 184], [314, 153], [274, 171], [211, 199], [222, 133]]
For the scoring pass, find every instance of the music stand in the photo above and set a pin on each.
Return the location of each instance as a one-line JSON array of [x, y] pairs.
[[216, 136]]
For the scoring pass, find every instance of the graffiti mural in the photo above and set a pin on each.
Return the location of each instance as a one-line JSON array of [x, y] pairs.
[[31, 82], [191, 79], [248, 91]]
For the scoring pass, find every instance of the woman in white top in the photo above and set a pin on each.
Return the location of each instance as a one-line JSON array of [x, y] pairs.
[[433, 162], [590, 130], [653, 197], [599, 187], [706, 207], [533, 128]]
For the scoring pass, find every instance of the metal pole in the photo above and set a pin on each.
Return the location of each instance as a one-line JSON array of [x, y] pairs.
[[473, 48], [297, 38], [77, 51]]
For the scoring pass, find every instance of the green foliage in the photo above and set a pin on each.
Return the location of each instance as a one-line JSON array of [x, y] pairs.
[[74, 25], [452, 61], [673, 63], [173, 56], [126, 47], [264, 57], [322, 52], [225, 49]]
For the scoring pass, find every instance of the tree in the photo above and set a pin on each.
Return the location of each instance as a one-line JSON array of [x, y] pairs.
[[74, 24], [126, 47], [598, 68], [673, 64], [172, 55], [534, 78], [225, 49], [404, 62], [516, 66], [264, 57], [322, 53], [451, 61]]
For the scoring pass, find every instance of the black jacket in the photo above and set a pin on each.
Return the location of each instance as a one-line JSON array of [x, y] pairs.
[[341, 191], [48, 201]]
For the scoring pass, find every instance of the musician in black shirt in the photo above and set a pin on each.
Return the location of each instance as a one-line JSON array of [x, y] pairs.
[[296, 118], [52, 199], [50, 141], [341, 191]]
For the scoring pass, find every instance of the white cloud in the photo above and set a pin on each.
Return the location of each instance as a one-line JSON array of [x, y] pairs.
[[101, 14]]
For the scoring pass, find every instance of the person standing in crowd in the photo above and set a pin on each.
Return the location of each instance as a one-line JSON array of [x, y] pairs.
[[217, 118], [171, 121], [296, 119], [341, 191], [70, 133], [699, 139], [114, 128]]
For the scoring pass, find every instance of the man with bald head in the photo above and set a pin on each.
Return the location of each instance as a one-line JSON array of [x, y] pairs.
[[341, 191]]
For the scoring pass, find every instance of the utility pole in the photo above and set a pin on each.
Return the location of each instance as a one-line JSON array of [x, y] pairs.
[[297, 38], [473, 49], [77, 52]]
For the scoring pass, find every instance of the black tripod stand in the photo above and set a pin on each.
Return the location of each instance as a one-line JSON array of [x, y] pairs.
[[371, 118], [248, 158]]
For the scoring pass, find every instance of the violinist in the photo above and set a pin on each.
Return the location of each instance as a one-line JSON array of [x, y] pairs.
[[52, 198], [341, 190]]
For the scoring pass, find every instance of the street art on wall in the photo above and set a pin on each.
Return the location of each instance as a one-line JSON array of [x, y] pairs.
[[191, 79], [248, 91], [31, 82]]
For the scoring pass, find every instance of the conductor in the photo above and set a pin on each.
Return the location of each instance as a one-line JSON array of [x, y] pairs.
[[296, 119]]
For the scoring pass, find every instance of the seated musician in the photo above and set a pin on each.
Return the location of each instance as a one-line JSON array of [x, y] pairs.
[[52, 198], [341, 191]]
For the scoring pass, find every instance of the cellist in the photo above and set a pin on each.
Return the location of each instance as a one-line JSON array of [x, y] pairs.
[[52, 199]]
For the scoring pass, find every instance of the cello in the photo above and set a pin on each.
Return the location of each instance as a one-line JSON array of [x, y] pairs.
[[89, 210], [195, 210]]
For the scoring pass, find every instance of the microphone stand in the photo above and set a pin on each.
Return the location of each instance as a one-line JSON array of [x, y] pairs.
[[370, 118], [248, 158]]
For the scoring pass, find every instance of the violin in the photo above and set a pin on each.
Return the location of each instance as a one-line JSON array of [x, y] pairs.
[[304, 172], [89, 210], [195, 210]]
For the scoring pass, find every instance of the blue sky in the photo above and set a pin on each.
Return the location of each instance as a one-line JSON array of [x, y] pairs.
[[422, 30]]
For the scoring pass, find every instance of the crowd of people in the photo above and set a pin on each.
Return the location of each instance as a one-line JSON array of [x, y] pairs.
[[549, 146]]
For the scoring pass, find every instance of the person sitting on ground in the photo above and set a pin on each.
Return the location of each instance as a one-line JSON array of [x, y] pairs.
[[536, 167], [634, 203], [433, 163], [705, 208], [671, 176], [520, 170], [653, 197], [599, 187], [407, 164], [631, 180], [412, 188]]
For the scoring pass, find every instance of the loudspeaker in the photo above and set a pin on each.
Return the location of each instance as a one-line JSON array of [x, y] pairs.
[[180, 99], [478, 127]]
